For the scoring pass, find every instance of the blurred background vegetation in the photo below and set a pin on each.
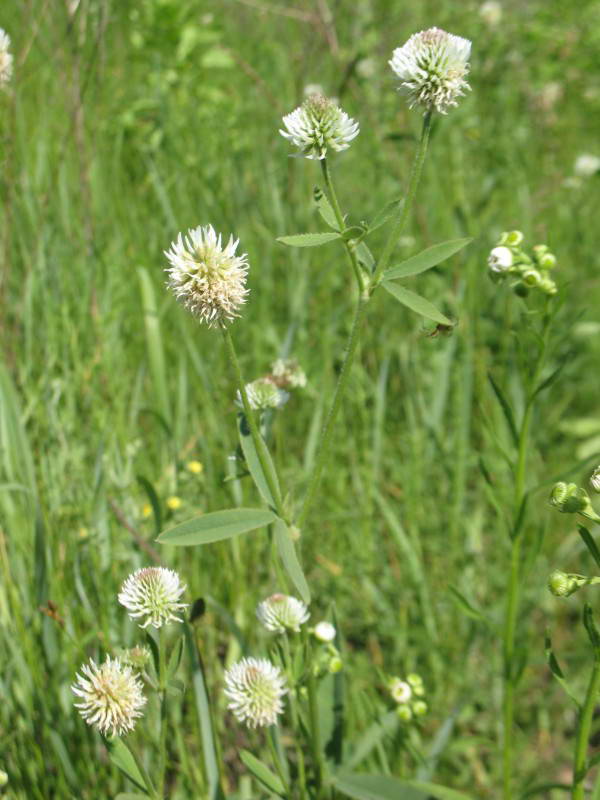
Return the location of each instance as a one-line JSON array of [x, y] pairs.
[[127, 122]]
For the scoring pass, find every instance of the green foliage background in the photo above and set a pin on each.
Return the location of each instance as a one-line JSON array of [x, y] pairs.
[[129, 121]]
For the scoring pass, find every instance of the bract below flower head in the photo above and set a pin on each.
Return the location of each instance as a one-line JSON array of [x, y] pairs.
[[152, 594], [280, 613], [318, 125], [207, 277], [6, 59], [255, 688], [110, 695], [432, 67]]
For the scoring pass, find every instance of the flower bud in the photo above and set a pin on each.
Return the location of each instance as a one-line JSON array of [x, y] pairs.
[[419, 708], [531, 278], [569, 498], [500, 259], [400, 690], [511, 238], [563, 585], [595, 479], [335, 665], [547, 261], [405, 713], [324, 632]]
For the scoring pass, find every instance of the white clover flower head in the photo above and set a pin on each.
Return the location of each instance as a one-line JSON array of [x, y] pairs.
[[280, 613], [595, 479], [288, 373], [400, 690], [255, 688], [586, 165], [152, 594], [318, 125], [325, 632], [263, 393], [490, 12], [111, 696], [500, 259], [432, 66], [6, 59], [207, 277]]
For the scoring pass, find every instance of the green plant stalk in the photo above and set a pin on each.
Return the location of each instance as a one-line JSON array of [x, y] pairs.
[[277, 763], [359, 315], [287, 658], [584, 728], [514, 581], [340, 221], [259, 443], [415, 176], [315, 731], [162, 688]]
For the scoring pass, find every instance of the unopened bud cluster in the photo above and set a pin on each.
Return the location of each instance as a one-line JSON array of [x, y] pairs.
[[563, 584], [270, 391], [569, 498], [329, 659], [408, 694], [508, 260]]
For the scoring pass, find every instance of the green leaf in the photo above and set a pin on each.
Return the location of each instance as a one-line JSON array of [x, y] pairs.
[[466, 607], [130, 796], [175, 659], [262, 773], [439, 792], [590, 626], [122, 757], [289, 559], [589, 543], [416, 303], [253, 463], [386, 726], [426, 259], [354, 232], [557, 671], [154, 501], [324, 208], [386, 213], [506, 409], [216, 526], [308, 239], [365, 256], [376, 787]]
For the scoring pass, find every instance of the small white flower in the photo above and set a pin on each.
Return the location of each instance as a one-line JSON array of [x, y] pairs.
[[490, 12], [586, 165], [500, 259], [401, 691], [153, 593], [325, 631], [255, 689], [317, 125], [280, 613], [595, 480], [111, 696], [432, 66], [263, 393], [6, 59], [207, 277]]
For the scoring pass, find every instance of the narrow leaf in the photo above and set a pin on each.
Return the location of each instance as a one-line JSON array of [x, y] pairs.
[[324, 208], [589, 543], [253, 463], [439, 792], [289, 559], [308, 239], [216, 526], [175, 660], [416, 303], [590, 626], [353, 232], [545, 384], [386, 726], [386, 213], [376, 787], [122, 757], [466, 607], [557, 671], [426, 259], [507, 410], [130, 796], [365, 256], [262, 773]]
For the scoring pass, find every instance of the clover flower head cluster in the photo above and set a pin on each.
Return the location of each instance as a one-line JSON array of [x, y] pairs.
[[319, 125], [152, 594], [280, 613], [586, 165], [255, 689], [432, 67], [288, 374], [526, 272], [110, 695], [6, 59], [491, 12], [408, 695], [207, 276], [263, 393]]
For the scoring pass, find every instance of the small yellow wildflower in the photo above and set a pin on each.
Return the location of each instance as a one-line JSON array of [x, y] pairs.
[[174, 502], [146, 510], [195, 467]]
